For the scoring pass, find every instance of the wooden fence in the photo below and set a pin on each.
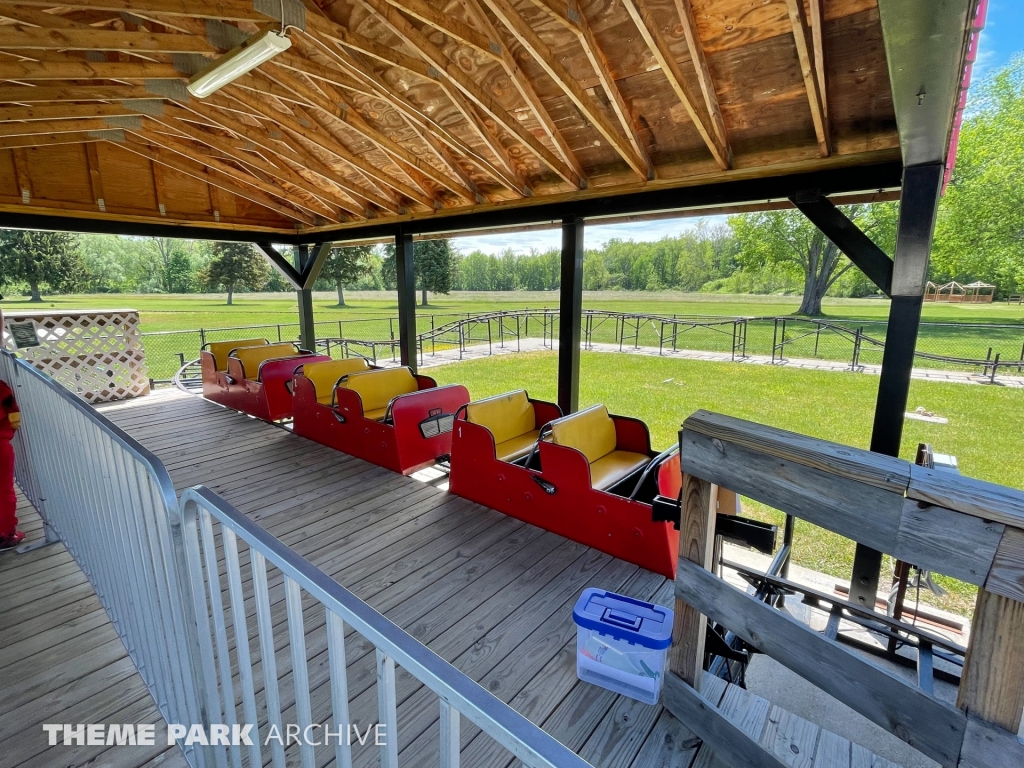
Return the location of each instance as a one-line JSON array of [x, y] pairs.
[[954, 525]]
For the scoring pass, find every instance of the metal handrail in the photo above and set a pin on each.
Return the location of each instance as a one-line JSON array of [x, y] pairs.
[[112, 503], [458, 693]]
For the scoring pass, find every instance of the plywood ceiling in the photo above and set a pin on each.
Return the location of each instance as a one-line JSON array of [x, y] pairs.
[[399, 108]]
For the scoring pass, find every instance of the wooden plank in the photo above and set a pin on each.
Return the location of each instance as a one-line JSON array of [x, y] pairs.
[[18, 37], [833, 751], [947, 542], [87, 70], [988, 746], [747, 712], [867, 467], [988, 501], [992, 686], [696, 545], [802, 36], [860, 511], [707, 85], [1006, 577], [932, 726], [730, 743], [792, 739]]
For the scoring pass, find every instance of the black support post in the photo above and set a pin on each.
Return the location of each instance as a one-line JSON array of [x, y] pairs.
[[570, 314], [406, 276], [307, 326], [918, 206]]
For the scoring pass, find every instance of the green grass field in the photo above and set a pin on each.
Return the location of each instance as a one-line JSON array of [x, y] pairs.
[[986, 423], [984, 430], [161, 312]]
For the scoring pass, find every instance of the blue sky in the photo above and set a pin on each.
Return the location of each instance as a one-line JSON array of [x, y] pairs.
[[1002, 37]]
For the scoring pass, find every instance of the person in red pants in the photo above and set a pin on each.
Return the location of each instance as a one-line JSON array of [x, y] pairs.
[[10, 420]]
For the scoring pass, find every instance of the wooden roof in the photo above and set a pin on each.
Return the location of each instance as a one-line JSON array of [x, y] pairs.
[[395, 108]]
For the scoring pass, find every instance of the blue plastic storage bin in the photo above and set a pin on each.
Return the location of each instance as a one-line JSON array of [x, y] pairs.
[[622, 643]]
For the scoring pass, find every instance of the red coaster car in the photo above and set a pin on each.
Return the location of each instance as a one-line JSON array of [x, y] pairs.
[[588, 476], [389, 417], [256, 378]]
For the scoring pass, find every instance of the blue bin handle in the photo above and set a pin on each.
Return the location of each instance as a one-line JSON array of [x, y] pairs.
[[623, 620]]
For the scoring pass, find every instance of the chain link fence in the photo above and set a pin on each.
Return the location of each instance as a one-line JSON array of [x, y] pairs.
[[984, 348]]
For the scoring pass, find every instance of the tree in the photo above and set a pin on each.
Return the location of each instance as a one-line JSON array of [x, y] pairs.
[[346, 266], [434, 265], [41, 258], [235, 265], [980, 229], [789, 240]]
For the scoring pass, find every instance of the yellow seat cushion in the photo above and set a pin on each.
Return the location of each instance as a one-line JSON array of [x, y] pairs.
[[610, 469], [221, 349], [516, 447], [591, 432], [506, 416], [325, 375], [378, 388], [251, 357]]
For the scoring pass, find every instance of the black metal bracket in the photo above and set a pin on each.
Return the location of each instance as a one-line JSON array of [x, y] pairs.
[[752, 534]]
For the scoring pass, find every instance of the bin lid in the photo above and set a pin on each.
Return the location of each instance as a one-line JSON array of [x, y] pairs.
[[624, 618]]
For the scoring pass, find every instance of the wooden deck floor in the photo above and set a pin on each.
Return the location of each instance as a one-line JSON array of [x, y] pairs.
[[488, 593], [61, 661]]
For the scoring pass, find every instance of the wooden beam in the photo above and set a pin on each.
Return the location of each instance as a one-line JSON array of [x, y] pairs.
[[92, 160], [371, 85], [36, 94], [700, 64], [815, 19], [529, 93], [261, 138], [227, 10], [696, 544], [329, 143], [214, 178], [64, 112], [38, 18], [552, 65], [53, 126], [489, 45], [459, 79], [22, 174], [282, 172], [159, 187], [51, 139], [805, 52], [88, 70], [651, 32], [992, 687], [342, 110], [19, 37], [179, 147]]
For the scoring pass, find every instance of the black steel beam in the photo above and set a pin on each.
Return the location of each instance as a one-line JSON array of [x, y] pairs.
[[925, 45], [304, 297], [864, 178], [406, 277], [847, 237], [311, 270], [918, 208], [570, 314], [280, 263], [54, 222]]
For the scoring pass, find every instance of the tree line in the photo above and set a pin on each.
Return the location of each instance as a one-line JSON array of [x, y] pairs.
[[979, 236]]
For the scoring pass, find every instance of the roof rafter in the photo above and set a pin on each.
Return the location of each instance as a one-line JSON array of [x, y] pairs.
[[580, 27], [802, 36], [227, 10], [88, 70], [276, 146], [19, 37], [551, 64], [460, 80], [177, 119], [700, 64], [651, 32], [212, 177]]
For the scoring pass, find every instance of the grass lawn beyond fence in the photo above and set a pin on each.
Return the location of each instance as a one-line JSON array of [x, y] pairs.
[[984, 430]]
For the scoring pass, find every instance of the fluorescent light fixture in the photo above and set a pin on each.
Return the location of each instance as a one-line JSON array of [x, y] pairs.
[[235, 63]]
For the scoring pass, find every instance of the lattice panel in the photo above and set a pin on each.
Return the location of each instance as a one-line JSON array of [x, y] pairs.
[[97, 354]]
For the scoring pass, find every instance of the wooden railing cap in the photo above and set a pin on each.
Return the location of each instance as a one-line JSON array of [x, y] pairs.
[[967, 495]]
